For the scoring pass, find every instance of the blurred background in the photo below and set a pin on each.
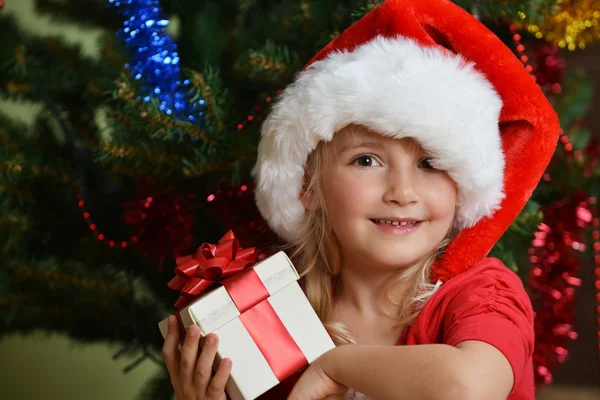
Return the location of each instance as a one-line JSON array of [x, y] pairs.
[[127, 132]]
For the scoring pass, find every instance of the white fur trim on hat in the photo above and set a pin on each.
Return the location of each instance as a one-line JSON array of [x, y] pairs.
[[399, 89]]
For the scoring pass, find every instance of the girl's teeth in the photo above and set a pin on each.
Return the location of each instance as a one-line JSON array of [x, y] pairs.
[[396, 223]]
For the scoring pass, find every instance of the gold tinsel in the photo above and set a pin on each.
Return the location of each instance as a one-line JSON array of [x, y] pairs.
[[575, 24]]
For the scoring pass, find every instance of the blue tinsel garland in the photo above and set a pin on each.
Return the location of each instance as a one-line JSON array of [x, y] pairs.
[[154, 59]]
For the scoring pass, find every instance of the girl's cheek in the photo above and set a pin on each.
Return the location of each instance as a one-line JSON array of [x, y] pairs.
[[441, 196], [350, 194]]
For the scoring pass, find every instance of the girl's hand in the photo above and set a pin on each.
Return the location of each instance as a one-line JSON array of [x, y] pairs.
[[315, 384], [191, 376]]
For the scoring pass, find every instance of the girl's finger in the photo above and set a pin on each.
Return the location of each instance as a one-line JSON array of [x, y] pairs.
[[205, 362], [189, 355], [170, 349], [217, 384]]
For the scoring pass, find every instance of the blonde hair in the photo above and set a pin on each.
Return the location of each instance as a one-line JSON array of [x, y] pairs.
[[317, 253]]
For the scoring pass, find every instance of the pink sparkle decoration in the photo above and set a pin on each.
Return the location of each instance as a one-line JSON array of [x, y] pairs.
[[553, 280]]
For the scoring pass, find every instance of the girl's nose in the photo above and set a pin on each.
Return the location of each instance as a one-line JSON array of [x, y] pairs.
[[401, 187]]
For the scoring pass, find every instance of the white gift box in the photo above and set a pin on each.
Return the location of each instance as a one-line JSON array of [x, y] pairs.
[[216, 312]]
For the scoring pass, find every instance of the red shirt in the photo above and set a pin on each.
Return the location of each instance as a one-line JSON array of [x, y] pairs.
[[487, 303]]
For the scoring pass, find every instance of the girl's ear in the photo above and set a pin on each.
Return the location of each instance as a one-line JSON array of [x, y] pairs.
[[308, 199]]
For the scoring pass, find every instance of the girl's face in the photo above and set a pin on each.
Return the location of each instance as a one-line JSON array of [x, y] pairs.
[[371, 180]]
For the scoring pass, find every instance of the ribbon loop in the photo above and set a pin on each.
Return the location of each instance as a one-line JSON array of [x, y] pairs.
[[208, 265]]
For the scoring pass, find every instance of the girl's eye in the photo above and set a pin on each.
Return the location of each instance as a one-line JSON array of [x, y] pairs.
[[426, 163], [365, 161]]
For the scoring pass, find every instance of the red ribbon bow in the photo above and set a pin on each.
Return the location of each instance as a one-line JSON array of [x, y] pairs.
[[209, 264]]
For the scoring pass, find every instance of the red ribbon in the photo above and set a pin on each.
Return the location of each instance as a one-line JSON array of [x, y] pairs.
[[273, 340], [263, 324], [208, 265], [195, 274]]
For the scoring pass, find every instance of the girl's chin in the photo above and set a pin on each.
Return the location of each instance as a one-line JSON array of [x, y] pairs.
[[388, 262]]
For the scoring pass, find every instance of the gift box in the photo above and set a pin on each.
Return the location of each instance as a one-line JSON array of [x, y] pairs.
[[264, 322]]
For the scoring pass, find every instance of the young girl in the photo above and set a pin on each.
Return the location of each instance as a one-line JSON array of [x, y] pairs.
[[394, 162]]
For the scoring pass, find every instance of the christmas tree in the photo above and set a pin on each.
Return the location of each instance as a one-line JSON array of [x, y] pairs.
[[139, 157]]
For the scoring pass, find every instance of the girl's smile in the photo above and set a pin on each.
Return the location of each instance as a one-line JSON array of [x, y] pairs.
[[402, 226]]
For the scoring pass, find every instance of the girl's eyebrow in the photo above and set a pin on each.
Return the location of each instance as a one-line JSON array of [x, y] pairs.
[[365, 143]]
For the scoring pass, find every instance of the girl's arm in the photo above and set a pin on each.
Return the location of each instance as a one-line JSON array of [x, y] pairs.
[[471, 370]]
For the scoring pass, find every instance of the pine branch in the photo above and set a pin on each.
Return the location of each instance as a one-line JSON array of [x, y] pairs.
[[364, 9], [147, 116], [31, 176], [576, 98], [24, 158], [566, 173], [144, 140], [566, 168], [88, 304], [30, 63], [275, 64], [531, 10], [15, 200], [26, 172], [210, 88], [19, 172], [512, 248], [62, 297], [13, 228], [38, 210], [128, 160]]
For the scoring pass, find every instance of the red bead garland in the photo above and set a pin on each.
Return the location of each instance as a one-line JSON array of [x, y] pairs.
[[564, 139], [556, 88], [549, 66], [257, 108], [516, 37], [92, 226]]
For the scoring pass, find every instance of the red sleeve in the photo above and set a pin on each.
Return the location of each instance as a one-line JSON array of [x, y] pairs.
[[493, 307]]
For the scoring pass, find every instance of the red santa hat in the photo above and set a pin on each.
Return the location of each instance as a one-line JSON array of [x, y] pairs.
[[429, 70]]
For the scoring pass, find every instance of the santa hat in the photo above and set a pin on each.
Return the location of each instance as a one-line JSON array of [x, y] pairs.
[[429, 70]]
